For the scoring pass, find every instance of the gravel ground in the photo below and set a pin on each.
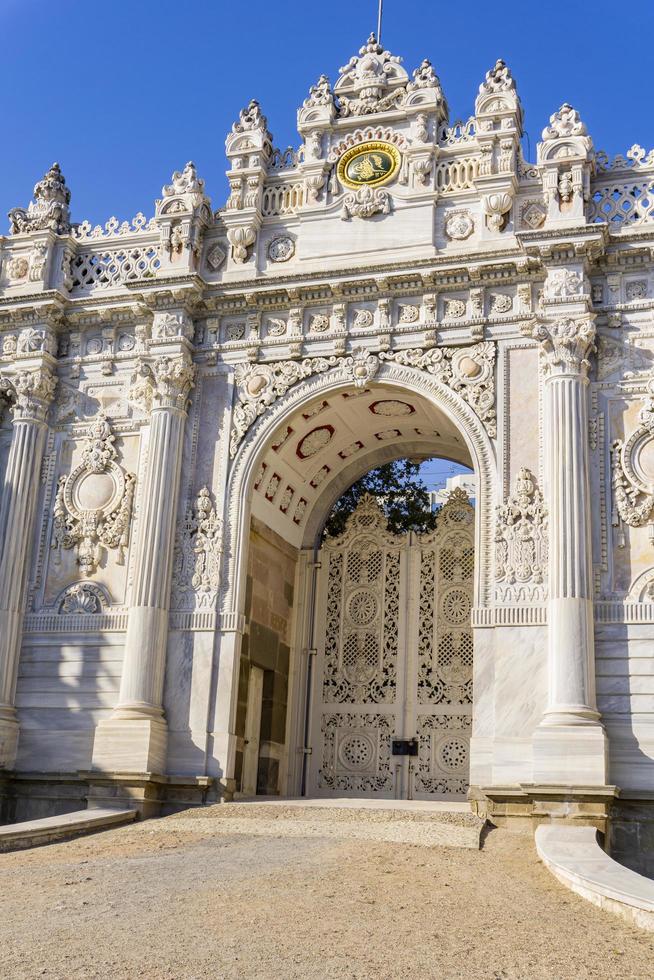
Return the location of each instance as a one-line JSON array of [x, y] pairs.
[[152, 902]]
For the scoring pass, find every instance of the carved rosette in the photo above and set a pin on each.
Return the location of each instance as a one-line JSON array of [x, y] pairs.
[[29, 393], [633, 473], [565, 344], [521, 543], [196, 562], [164, 382], [93, 504]]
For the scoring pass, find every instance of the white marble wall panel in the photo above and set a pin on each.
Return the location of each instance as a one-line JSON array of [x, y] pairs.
[[64, 688], [187, 694]]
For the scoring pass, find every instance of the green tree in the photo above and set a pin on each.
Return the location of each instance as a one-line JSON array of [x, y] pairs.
[[402, 493]]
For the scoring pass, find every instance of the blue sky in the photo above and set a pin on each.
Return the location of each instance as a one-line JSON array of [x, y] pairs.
[[123, 93]]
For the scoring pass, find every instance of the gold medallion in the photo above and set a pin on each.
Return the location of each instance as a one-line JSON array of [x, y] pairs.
[[368, 164]]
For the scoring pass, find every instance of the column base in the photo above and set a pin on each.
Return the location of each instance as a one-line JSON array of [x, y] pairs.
[[570, 754], [130, 745], [522, 807], [8, 737]]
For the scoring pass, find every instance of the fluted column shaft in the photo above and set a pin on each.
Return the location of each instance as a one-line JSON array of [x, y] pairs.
[[141, 688], [571, 644], [569, 745], [134, 738], [31, 392]]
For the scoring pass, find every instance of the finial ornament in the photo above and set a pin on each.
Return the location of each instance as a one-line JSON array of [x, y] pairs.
[[565, 122], [49, 209], [498, 79]]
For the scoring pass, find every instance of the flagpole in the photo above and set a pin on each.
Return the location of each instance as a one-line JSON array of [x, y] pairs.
[[379, 21]]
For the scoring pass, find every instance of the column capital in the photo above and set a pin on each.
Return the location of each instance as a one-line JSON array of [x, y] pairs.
[[565, 343], [30, 391], [164, 381]]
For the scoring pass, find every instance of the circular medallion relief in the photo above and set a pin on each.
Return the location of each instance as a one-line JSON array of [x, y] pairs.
[[362, 608], [356, 751], [368, 164], [95, 491], [452, 754], [638, 455], [456, 607]]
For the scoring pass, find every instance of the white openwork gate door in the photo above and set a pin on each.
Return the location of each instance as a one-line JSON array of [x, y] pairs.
[[394, 658]]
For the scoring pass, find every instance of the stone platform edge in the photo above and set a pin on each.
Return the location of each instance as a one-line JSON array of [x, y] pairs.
[[575, 857], [47, 830]]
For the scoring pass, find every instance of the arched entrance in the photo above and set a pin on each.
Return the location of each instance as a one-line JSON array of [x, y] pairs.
[[292, 466], [390, 693]]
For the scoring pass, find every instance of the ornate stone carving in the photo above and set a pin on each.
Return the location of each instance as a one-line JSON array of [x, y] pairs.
[[168, 325], [562, 284], [252, 118], [408, 313], [496, 208], [30, 392], [320, 94], [17, 268], [459, 225], [365, 202], [259, 385], [372, 82], [521, 543], [35, 340], [83, 598], [276, 327], [215, 257], [565, 122], [500, 303], [281, 249], [362, 318], [633, 472], [454, 308], [49, 209], [466, 370], [565, 344], [184, 182], [498, 79], [533, 214], [361, 366], [241, 239], [93, 504], [319, 322], [196, 562], [164, 382]]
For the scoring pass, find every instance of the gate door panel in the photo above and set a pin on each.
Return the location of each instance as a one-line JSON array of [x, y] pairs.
[[394, 658]]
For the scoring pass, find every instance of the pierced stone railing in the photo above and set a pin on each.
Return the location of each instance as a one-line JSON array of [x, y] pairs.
[[112, 228], [102, 269], [456, 175], [282, 199], [462, 131], [286, 159], [623, 203], [636, 158]]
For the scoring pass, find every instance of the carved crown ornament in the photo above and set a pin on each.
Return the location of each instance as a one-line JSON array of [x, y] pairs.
[[633, 473], [521, 543], [93, 504], [162, 382], [467, 370], [48, 210]]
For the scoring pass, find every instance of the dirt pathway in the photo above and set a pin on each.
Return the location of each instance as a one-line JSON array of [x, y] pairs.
[[149, 902]]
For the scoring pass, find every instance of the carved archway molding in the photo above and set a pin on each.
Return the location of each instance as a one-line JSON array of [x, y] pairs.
[[260, 436]]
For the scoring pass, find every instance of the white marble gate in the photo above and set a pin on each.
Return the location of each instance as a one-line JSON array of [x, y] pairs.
[[394, 658]]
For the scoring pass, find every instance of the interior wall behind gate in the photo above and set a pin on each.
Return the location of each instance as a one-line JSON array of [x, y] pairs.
[[268, 610]]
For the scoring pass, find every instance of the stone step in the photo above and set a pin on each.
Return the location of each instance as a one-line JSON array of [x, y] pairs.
[[47, 830], [407, 822]]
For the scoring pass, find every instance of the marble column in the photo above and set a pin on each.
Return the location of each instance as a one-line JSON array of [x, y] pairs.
[[570, 743], [30, 390], [134, 738]]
